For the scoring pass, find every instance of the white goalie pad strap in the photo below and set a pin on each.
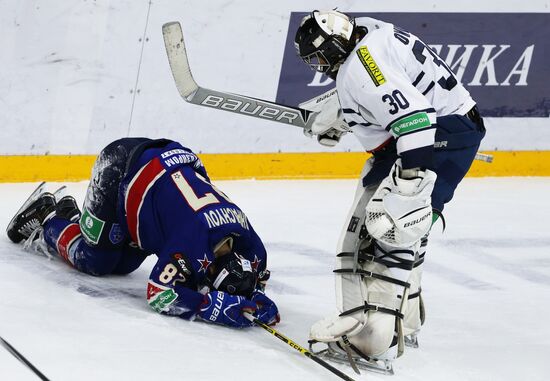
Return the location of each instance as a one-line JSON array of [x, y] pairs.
[[411, 309], [394, 254], [351, 290]]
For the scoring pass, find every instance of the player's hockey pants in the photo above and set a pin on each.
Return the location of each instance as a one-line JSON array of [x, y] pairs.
[[105, 249]]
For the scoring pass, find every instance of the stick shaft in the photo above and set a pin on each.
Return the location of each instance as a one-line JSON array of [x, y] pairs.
[[21, 358], [299, 348]]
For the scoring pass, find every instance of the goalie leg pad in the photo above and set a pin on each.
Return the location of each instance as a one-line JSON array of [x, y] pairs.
[[371, 284], [350, 290], [370, 301]]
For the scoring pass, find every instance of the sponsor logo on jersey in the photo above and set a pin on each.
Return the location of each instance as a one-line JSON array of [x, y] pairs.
[[163, 300], [223, 216], [370, 65], [181, 263], [411, 123], [91, 226]]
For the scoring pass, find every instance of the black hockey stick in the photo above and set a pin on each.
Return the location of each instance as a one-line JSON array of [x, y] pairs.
[[299, 348], [191, 92], [21, 358]]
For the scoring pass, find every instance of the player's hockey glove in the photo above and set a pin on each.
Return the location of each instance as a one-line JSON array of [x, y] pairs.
[[267, 310], [222, 308]]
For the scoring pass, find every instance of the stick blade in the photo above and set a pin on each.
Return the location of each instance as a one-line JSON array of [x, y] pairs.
[[177, 58]]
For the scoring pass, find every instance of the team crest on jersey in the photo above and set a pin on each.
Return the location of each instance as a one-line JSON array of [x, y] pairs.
[[204, 263], [370, 66], [115, 234], [256, 263]]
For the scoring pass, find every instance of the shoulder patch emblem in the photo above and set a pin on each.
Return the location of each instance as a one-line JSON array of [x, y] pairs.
[[370, 66], [116, 234]]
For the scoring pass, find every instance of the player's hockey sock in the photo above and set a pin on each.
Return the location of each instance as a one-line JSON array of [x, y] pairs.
[[60, 234]]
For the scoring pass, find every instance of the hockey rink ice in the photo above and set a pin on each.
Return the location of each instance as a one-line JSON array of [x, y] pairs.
[[486, 285]]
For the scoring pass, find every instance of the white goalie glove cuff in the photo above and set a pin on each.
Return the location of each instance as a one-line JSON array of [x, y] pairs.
[[400, 212], [328, 124]]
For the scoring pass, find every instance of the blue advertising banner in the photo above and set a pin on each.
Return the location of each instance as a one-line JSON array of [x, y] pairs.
[[503, 59]]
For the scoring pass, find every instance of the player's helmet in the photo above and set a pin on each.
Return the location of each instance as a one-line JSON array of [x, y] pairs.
[[324, 40], [233, 274]]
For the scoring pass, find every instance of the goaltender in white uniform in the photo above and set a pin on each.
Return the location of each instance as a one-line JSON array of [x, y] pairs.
[[403, 103]]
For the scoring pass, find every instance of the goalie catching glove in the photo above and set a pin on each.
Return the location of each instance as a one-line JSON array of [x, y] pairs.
[[400, 212], [329, 124]]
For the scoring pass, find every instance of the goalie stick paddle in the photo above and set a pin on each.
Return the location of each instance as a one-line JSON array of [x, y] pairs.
[[299, 348], [191, 92], [21, 358]]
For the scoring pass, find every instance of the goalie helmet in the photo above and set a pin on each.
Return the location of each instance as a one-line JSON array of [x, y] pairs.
[[233, 274], [324, 40]]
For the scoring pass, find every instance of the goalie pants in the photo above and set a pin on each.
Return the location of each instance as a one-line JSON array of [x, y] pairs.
[[457, 141]]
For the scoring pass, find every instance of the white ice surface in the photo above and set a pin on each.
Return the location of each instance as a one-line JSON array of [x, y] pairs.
[[486, 286]]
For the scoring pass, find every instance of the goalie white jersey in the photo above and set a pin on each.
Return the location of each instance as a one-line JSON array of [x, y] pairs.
[[393, 84]]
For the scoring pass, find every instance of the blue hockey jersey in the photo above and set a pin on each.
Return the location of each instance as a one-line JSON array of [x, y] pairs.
[[169, 206]]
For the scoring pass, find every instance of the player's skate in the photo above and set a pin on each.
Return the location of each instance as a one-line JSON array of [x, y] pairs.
[[67, 208], [38, 208]]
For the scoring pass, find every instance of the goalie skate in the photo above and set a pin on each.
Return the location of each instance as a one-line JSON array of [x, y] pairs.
[[331, 353]]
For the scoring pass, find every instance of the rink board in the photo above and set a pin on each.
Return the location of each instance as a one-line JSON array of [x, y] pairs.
[[321, 165]]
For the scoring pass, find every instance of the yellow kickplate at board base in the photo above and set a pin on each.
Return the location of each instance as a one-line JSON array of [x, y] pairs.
[[318, 165]]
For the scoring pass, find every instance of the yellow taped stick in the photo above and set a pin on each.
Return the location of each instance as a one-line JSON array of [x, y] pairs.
[[299, 348]]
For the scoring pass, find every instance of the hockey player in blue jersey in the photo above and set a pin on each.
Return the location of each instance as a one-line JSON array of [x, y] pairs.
[[154, 197]]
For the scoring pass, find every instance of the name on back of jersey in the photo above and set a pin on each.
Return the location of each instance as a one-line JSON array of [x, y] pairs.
[[223, 216], [178, 156]]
